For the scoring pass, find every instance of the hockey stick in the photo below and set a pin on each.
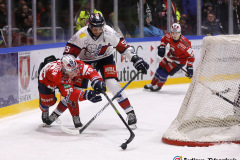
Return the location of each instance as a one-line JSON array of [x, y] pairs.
[[169, 60], [213, 92], [77, 132], [132, 135], [221, 96]]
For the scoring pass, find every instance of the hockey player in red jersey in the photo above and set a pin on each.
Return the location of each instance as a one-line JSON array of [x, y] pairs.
[[179, 55], [95, 44], [66, 75]]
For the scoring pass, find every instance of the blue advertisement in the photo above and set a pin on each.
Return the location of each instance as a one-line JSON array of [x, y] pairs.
[[8, 79]]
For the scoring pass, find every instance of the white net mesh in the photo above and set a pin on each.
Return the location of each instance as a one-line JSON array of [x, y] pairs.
[[204, 116]]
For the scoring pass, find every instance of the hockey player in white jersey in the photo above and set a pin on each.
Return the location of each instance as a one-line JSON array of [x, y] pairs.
[[95, 44]]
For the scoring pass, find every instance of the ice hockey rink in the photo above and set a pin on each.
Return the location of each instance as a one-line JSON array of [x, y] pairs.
[[22, 136]]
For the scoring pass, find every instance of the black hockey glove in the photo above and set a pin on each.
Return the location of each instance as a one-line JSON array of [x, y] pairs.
[[98, 86], [161, 51], [189, 72], [140, 64], [91, 96]]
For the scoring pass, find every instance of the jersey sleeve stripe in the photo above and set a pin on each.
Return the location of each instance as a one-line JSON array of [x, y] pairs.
[[73, 45], [72, 49], [85, 68]]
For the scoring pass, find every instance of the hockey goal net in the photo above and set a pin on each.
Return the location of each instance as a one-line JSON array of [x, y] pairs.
[[210, 113]]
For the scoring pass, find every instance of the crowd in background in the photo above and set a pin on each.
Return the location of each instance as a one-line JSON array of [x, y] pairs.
[[214, 17]]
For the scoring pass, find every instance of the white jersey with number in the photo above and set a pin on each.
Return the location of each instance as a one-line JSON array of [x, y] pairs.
[[88, 48]]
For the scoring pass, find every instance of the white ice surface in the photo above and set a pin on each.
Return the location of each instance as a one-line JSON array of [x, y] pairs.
[[22, 136]]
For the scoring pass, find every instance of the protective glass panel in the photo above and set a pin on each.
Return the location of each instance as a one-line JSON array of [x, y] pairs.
[[214, 17]]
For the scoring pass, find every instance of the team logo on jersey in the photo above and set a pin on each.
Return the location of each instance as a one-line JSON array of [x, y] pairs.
[[24, 71], [98, 50], [110, 71], [82, 35], [91, 50], [66, 86]]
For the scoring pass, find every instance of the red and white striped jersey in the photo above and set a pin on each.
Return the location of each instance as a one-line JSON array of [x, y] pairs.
[[89, 48]]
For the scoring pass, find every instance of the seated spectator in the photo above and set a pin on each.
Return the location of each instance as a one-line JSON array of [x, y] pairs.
[[186, 28], [22, 13], [207, 8], [149, 30], [212, 25], [27, 23]]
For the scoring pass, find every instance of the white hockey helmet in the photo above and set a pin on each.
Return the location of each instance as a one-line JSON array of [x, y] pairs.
[[176, 27], [69, 66]]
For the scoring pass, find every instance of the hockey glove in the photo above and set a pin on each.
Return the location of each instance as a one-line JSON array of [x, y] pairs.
[[189, 72], [98, 86], [91, 96], [161, 51], [71, 103], [140, 64]]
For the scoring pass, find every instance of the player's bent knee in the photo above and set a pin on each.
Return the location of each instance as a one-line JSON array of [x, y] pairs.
[[47, 100], [112, 85]]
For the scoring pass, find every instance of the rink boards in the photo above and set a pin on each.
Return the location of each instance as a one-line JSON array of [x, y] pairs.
[[19, 66]]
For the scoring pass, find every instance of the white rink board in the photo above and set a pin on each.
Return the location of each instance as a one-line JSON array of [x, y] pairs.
[[147, 50]]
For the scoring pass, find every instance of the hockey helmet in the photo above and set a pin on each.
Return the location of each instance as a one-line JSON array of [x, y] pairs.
[[176, 27], [69, 66], [96, 20]]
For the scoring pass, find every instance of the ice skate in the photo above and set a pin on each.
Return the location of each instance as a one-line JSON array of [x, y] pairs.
[[45, 116], [155, 88], [77, 122], [132, 120], [148, 86], [52, 118]]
